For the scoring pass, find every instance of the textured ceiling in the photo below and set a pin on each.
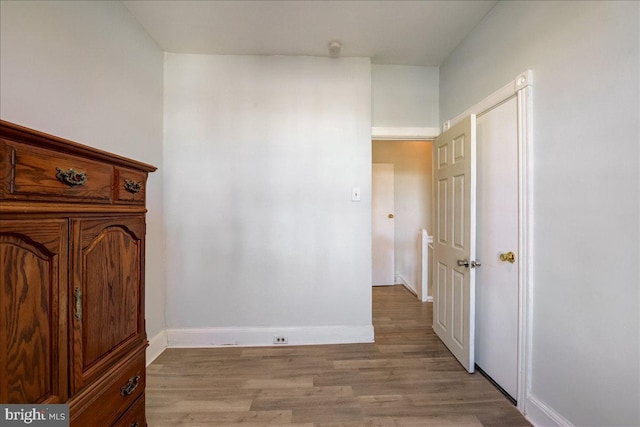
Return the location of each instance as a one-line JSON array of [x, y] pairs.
[[389, 32]]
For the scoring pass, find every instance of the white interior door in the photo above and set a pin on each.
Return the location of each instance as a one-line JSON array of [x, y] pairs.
[[497, 230], [454, 240], [382, 205]]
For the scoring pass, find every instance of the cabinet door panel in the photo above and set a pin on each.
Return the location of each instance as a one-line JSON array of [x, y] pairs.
[[33, 272], [107, 287], [110, 312]]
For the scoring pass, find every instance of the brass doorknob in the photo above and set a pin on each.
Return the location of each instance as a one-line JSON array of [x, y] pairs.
[[508, 257], [390, 215]]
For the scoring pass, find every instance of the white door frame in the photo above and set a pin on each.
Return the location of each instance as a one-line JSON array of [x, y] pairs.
[[520, 87]]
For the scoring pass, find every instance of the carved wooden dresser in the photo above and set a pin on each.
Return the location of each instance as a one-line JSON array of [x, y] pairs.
[[72, 244]]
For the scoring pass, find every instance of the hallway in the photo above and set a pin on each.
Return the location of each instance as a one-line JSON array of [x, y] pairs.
[[407, 378]]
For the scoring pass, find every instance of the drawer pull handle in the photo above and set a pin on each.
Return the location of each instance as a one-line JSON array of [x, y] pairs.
[[77, 296], [135, 424], [130, 386], [132, 186], [71, 177]]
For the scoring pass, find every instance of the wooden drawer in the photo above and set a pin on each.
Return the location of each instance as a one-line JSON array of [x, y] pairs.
[[37, 174], [135, 416], [113, 395], [131, 186]]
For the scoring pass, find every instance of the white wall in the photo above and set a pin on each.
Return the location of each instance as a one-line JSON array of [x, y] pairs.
[[585, 134], [261, 154], [86, 71], [404, 96], [412, 191]]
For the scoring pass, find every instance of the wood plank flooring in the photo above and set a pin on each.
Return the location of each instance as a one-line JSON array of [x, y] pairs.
[[407, 378]]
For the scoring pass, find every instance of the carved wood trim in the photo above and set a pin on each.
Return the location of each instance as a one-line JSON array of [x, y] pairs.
[[25, 135]]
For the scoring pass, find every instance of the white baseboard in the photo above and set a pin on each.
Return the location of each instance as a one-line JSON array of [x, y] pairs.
[[259, 337], [157, 345], [540, 414], [402, 281]]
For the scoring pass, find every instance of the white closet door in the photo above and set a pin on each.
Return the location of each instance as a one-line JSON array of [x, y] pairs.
[[497, 280]]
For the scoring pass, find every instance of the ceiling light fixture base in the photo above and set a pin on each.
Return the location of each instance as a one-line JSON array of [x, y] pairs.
[[334, 49]]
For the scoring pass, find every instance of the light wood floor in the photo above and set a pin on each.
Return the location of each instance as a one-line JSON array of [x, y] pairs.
[[407, 378]]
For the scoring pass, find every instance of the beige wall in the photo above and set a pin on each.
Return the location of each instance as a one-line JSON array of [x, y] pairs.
[[412, 167]]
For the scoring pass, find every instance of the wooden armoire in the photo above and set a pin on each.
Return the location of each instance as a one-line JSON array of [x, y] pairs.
[[72, 245]]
